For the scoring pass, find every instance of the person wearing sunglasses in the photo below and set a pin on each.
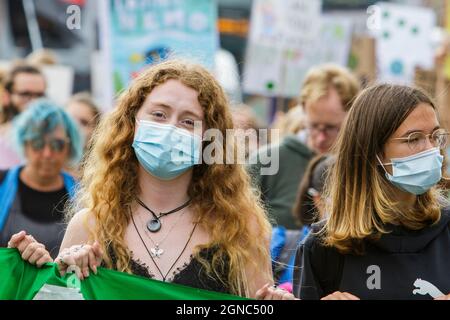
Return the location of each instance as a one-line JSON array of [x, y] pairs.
[[33, 195], [387, 235], [23, 85]]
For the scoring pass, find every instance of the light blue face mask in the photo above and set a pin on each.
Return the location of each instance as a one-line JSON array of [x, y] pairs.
[[416, 174], [166, 151]]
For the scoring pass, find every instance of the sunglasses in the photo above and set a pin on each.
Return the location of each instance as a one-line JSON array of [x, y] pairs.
[[55, 144]]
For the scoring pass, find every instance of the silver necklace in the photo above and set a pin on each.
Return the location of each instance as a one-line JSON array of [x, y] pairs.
[[157, 251], [164, 276]]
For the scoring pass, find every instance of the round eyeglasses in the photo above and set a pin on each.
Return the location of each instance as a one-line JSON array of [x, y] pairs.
[[417, 141]]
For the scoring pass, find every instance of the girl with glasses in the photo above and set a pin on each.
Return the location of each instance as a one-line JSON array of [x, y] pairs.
[[388, 231]]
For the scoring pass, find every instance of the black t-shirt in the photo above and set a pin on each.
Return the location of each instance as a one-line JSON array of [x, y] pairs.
[[44, 207], [40, 214]]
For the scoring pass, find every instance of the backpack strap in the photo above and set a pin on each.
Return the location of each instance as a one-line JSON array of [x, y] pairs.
[[293, 238], [288, 274], [8, 191], [283, 246], [70, 183], [2, 176]]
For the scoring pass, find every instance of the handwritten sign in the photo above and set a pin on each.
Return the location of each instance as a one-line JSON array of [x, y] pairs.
[[286, 39]]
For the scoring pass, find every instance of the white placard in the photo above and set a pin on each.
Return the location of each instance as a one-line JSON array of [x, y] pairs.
[[403, 35], [335, 40], [59, 82], [281, 44]]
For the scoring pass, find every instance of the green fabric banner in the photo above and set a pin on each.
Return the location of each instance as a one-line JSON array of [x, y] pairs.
[[20, 280]]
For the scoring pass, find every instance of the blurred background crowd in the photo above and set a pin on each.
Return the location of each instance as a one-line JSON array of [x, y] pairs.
[[283, 64]]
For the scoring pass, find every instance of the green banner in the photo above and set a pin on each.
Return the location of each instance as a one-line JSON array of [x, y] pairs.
[[20, 280]]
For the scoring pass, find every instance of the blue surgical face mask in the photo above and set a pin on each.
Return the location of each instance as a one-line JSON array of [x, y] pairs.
[[416, 174], [166, 151]]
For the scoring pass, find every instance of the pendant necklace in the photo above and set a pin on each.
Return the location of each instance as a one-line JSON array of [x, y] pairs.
[[164, 276], [157, 251], [154, 224]]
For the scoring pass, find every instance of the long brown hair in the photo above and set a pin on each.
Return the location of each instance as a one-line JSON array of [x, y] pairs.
[[222, 197], [362, 199]]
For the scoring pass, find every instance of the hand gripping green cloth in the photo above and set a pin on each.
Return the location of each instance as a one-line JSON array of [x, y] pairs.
[[19, 280]]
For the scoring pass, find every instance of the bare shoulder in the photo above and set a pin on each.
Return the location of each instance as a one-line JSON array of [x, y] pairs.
[[258, 270], [78, 229], [257, 227]]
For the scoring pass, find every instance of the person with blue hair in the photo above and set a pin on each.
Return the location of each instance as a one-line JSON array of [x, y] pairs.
[[33, 195]]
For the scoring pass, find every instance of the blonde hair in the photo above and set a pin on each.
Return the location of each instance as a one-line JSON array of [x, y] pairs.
[[222, 197], [293, 121], [288, 123], [42, 57], [361, 198], [319, 80]]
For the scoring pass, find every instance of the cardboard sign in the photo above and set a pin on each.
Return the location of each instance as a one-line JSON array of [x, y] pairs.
[[426, 79], [362, 59]]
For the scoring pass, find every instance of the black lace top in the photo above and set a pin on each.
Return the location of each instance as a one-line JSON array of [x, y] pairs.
[[192, 273]]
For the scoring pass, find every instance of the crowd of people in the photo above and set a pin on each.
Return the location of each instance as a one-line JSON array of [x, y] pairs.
[[356, 210]]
